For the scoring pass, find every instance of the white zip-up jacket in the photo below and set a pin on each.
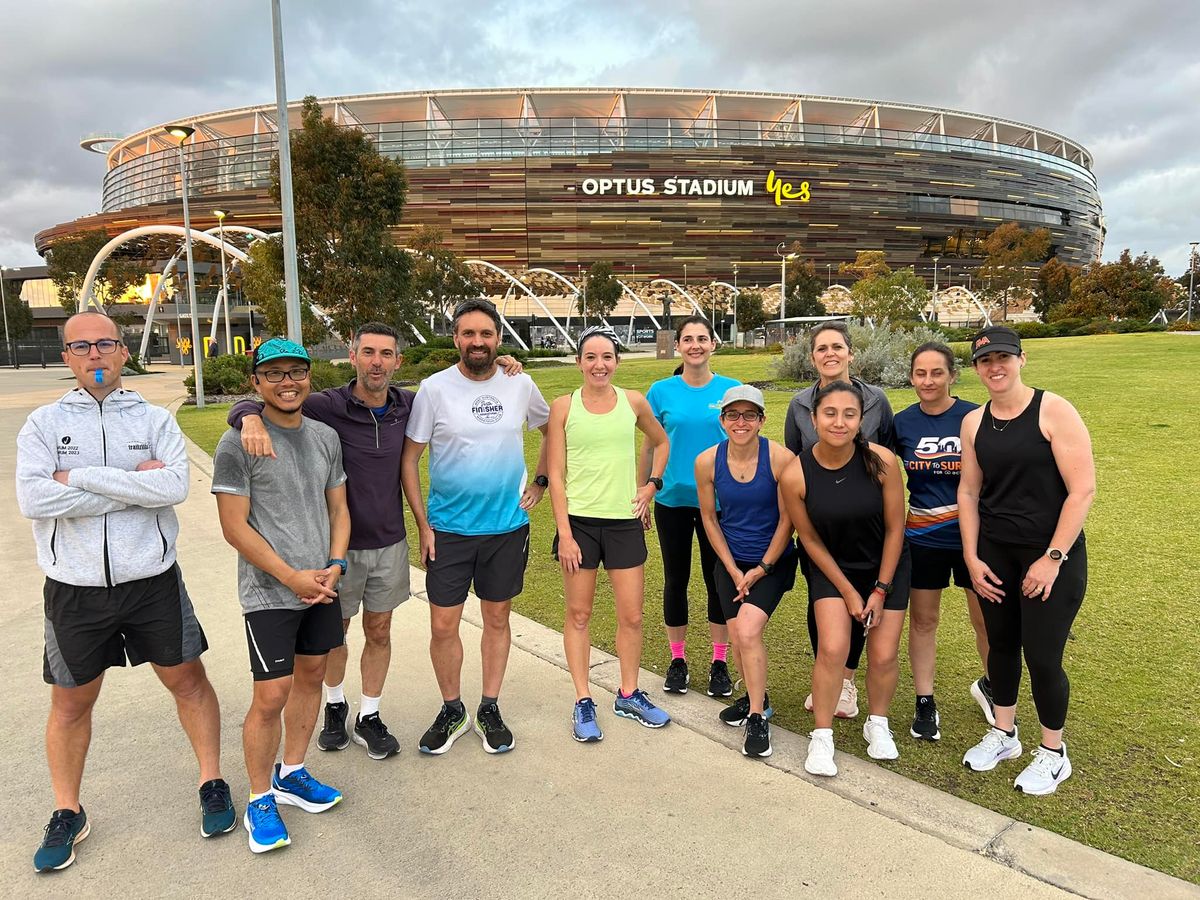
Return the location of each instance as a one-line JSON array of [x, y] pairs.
[[109, 524]]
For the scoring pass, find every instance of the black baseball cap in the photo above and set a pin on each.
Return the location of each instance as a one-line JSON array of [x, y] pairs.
[[995, 339]]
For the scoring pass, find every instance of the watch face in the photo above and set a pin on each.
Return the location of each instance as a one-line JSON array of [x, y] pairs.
[[1055, 555]]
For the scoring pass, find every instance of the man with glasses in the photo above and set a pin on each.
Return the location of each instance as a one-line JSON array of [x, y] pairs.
[[287, 517], [98, 472], [473, 420]]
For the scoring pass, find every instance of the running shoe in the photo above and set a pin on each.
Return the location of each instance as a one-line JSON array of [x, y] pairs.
[[847, 707], [995, 747], [264, 826], [302, 790], [491, 729], [880, 743], [981, 690], [1047, 771], [758, 737], [737, 712], [926, 722], [677, 677], [371, 733], [449, 725], [719, 682], [637, 706], [820, 753], [216, 808], [66, 829], [584, 727], [333, 736]]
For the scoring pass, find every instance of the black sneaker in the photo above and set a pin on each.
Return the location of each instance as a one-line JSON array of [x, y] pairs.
[[371, 733], [491, 729], [333, 736], [216, 808], [719, 682], [758, 737], [677, 677], [925, 723], [447, 728], [981, 692], [738, 712], [66, 829]]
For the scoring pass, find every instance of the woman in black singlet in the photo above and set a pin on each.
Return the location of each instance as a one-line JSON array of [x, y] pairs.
[[846, 499], [1027, 483]]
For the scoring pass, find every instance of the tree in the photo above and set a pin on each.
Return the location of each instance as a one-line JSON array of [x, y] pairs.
[[601, 293], [895, 297], [439, 278], [1010, 251], [347, 196], [750, 312], [867, 264], [804, 289], [262, 285], [20, 318], [67, 264], [1053, 285], [1130, 288]]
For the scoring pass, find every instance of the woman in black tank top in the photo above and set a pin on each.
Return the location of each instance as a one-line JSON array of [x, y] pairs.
[[1027, 483], [846, 499]]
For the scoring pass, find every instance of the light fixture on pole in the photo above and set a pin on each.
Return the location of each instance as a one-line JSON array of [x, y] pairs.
[[828, 275], [220, 214], [181, 133], [783, 258], [1191, 280], [934, 299], [291, 273]]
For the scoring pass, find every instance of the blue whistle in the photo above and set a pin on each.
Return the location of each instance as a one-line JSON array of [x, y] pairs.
[[99, 376]]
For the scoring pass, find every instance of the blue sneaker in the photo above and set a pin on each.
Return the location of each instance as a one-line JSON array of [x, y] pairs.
[[266, 829], [585, 730], [66, 829], [302, 790], [637, 706], [216, 808]]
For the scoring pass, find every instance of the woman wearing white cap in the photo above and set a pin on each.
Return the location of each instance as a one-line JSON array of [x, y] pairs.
[[752, 539]]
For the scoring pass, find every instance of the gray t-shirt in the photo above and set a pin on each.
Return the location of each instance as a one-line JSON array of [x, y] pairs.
[[287, 502]]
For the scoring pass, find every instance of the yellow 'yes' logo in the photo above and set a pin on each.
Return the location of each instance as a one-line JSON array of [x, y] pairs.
[[785, 191]]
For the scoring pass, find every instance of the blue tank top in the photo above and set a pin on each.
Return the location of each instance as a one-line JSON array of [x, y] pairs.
[[931, 451], [749, 510]]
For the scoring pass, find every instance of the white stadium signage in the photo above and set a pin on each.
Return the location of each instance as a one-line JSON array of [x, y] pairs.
[[677, 187]]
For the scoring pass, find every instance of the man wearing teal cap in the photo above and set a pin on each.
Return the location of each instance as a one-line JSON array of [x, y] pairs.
[[288, 519]]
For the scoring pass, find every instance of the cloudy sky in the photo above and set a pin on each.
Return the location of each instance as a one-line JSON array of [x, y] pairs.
[[1122, 78]]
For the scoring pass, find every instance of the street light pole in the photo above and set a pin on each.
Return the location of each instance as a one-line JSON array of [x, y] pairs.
[[1191, 280], [291, 273], [220, 214], [733, 331], [828, 275], [935, 262], [181, 133], [4, 304]]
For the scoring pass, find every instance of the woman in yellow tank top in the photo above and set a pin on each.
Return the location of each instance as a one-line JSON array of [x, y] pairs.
[[599, 510]]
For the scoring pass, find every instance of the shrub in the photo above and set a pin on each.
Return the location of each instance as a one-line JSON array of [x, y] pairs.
[[881, 355], [1183, 325], [325, 374], [1033, 329], [228, 374]]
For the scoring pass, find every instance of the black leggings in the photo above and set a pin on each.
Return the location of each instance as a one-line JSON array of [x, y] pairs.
[[858, 637], [675, 526], [1039, 628]]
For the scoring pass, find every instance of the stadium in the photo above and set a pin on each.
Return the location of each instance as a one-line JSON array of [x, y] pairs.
[[687, 193]]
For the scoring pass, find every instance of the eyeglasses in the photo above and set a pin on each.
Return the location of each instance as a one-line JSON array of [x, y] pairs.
[[275, 376], [82, 348], [733, 415]]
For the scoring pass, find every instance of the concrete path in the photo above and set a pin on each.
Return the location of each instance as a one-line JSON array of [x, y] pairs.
[[676, 812]]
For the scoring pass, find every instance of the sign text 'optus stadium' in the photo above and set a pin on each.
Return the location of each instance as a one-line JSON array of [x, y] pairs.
[[780, 191]]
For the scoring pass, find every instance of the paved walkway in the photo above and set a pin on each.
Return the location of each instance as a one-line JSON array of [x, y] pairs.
[[677, 812]]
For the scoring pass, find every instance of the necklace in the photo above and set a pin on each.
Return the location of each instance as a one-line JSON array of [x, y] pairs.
[[745, 474], [1007, 422]]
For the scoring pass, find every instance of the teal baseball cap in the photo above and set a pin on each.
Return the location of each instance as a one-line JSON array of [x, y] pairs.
[[279, 348]]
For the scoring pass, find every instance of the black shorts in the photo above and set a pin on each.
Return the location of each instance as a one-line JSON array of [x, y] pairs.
[[932, 567], [618, 543], [767, 591], [276, 636], [89, 629], [820, 587], [494, 563]]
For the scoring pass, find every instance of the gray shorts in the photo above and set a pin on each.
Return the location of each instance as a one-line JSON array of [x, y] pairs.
[[375, 579]]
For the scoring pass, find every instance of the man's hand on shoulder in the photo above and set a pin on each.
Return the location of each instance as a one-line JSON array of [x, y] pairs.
[[255, 439]]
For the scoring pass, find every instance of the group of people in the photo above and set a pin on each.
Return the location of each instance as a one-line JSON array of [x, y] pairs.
[[309, 489]]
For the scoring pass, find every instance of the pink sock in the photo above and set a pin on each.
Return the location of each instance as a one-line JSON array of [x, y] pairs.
[[677, 649], [720, 652]]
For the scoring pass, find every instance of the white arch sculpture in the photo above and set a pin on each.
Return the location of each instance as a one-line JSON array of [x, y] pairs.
[[690, 299], [573, 288], [517, 283]]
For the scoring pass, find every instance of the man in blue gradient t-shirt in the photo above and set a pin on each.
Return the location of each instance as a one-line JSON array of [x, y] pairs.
[[473, 418]]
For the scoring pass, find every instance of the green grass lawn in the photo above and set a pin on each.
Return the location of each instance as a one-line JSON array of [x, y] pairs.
[[1134, 660]]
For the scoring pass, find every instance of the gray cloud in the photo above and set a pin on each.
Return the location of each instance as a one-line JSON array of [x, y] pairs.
[[1120, 78]]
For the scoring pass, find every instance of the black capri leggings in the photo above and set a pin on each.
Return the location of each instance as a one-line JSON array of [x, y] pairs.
[[675, 526], [1039, 628]]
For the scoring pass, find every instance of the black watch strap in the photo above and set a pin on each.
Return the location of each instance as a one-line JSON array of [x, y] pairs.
[[542, 481], [884, 586], [656, 481], [767, 567]]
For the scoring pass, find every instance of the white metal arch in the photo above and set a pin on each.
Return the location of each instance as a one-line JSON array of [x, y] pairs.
[[573, 288], [687, 296], [517, 283]]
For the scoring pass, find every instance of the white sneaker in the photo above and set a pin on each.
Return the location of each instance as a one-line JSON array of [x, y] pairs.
[[995, 747], [1047, 771], [847, 707], [880, 744], [820, 753], [984, 701]]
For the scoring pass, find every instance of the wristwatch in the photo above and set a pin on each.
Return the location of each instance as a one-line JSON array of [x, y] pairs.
[[542, 481], [1057, 555], [883, 586], [340, 562], [656, 481], [767, 567]]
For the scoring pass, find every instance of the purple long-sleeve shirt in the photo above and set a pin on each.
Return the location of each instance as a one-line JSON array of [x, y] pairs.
[[371, 448]]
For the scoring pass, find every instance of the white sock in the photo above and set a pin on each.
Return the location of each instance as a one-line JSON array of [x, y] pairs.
[[826, 731], [254, 796], [369, 706], [334, 693], [882, 720], [285, 770]]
